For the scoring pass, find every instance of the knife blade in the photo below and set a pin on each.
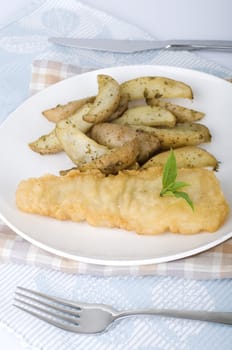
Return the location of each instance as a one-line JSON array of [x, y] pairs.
[[130, 46]]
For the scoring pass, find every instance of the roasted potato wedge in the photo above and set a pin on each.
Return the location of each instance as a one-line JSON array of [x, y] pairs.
[[107, 100], [155, 87], [116, 159], [183, 134], [77, 119], [79, 147], [181, 113], [61, 112], [147, 115], [186, 157], [49, 144], [113, 135], [46, 144], [122, 107]]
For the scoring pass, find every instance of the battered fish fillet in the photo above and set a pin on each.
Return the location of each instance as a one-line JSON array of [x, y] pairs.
[[130, 200]]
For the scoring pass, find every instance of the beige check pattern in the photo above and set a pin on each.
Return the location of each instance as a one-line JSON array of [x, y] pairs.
[[216, 263]]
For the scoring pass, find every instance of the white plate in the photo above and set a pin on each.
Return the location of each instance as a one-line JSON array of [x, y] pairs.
[[81, 241]]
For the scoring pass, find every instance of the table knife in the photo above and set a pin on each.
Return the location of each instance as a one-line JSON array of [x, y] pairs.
[[130, 46]]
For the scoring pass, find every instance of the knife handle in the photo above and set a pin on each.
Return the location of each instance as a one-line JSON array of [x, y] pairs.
[[178, 47]]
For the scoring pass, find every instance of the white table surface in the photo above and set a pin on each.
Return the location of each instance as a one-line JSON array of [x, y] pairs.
[[166, 19]]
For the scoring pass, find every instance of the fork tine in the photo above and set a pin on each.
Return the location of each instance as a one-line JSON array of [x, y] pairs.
[[66, 327], [52, 298], [48, 312], [50, 305]]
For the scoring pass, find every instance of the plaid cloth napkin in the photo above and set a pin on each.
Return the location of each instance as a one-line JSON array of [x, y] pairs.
[[213, 264]]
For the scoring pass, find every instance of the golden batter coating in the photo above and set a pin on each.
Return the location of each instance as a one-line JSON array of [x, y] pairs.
[[130, 200]]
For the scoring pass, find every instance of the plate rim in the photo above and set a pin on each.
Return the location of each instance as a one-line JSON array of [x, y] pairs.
[[121, 263]]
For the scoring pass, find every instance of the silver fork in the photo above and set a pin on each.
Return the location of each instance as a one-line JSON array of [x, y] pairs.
[[95, 318]]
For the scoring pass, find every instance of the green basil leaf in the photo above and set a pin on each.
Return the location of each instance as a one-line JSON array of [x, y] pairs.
[[185, 196], [166, 192], [170, 186], [177, 185], [170, 170]]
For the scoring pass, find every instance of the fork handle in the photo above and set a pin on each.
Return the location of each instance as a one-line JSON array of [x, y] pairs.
[[208, 316]]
